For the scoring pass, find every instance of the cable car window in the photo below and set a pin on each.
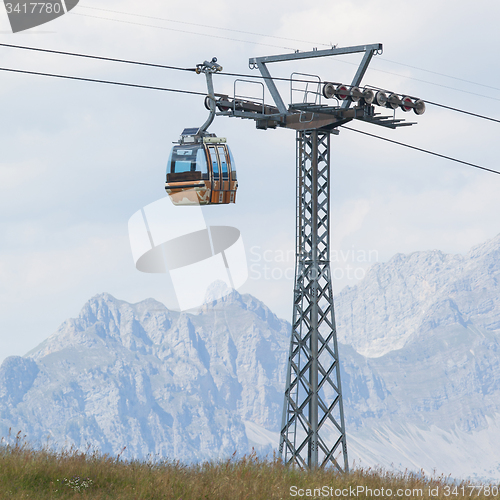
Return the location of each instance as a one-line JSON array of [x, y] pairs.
[[233, 167], [187, 159], [169, 163], [223, 163], [215, 164], [201, 161]]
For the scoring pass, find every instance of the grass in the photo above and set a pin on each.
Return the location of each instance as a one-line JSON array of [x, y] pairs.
[[40, 474]]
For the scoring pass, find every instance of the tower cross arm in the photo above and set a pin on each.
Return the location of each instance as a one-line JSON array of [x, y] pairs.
[[316, 53], [261, 64]]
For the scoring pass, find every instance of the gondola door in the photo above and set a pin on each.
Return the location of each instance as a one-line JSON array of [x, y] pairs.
[[217, 193], [233, 182], [225, 173]]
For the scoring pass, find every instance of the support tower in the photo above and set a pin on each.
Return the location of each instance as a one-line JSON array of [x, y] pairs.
[[313, 428]]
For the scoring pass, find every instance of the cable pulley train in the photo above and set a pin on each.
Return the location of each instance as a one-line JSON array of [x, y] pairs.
[[200, 168]]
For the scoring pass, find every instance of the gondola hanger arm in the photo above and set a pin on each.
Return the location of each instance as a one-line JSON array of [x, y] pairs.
[[208, 68]]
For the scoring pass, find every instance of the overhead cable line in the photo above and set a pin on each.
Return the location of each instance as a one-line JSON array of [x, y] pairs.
[[462, 111], [109, 82], [192, 92], [181, 31], [138, 63], [452, 108], [203, 26], [299, 41], [438, 84], [88, 56], [424, 81], [441, 74], [422, 150], [163, 66]]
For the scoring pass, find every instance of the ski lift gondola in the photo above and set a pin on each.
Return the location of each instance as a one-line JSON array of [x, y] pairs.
[[201, 169]]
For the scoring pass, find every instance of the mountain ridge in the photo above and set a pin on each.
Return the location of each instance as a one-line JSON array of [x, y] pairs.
[[417, 293], [132, 354]]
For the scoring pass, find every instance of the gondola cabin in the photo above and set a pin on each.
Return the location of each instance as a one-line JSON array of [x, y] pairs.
[[201, 171]]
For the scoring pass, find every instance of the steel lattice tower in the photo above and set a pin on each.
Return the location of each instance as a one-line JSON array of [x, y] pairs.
[[313, 429]]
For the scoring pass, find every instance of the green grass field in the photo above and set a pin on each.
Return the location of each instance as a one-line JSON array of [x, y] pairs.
[[43, 474]]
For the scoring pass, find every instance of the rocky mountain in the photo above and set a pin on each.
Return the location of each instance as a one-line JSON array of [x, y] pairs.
[[414, 294], [420, 358], [422, 370], [156, 381]]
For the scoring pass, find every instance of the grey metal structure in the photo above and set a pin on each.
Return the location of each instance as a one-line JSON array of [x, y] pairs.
[[208, 68], [313, 429]]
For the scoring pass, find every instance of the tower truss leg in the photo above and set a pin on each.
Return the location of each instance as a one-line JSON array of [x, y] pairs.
[[313, 428]]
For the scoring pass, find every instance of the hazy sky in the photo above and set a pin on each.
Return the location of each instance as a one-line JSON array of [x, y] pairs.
[[78, 159]]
